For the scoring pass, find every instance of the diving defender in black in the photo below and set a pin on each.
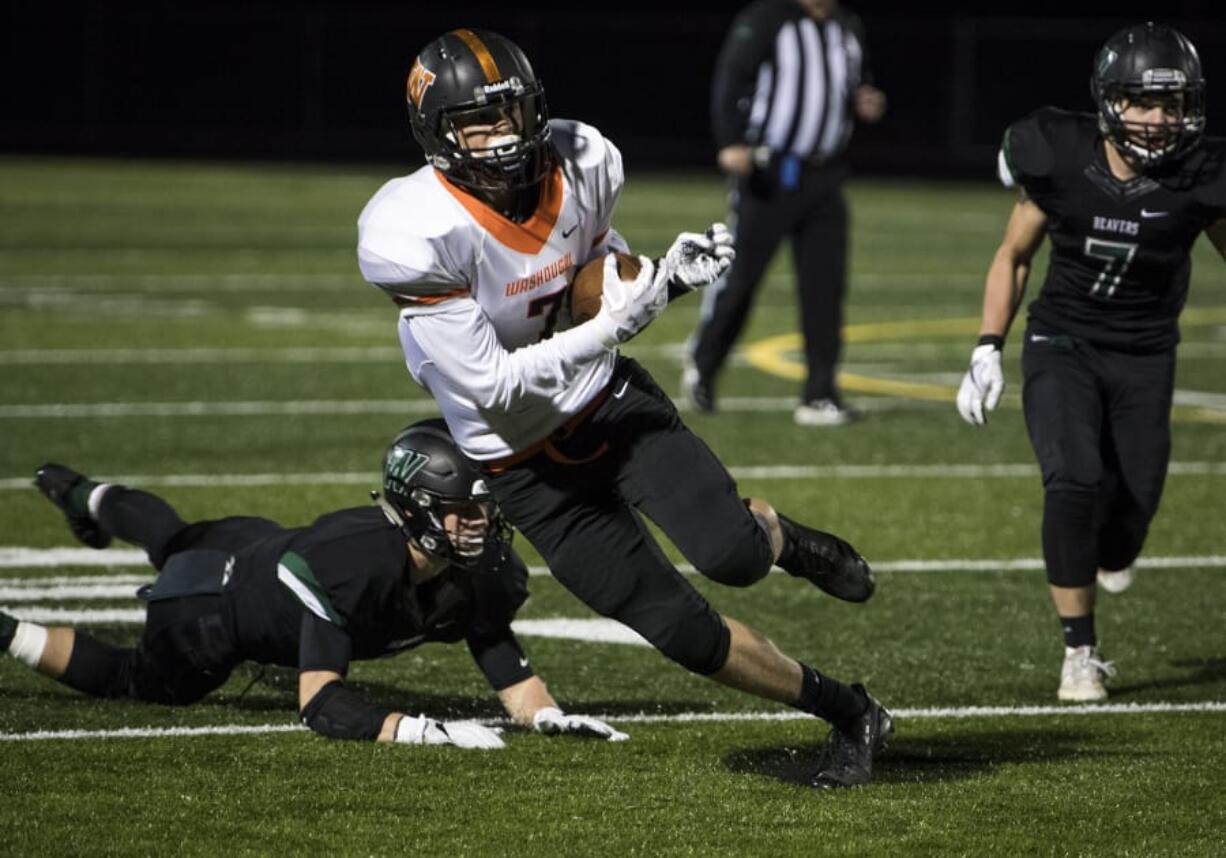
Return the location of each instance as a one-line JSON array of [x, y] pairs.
[[1123, 194], [431, 563]]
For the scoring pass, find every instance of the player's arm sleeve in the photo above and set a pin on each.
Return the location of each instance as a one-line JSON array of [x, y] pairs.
[[335, 710], [749, 43], [455, 340], [498, 593], [1026, 157]]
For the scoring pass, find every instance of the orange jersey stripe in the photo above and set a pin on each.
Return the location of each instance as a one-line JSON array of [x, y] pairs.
[[410, 300], [481, 52], [527, 237]]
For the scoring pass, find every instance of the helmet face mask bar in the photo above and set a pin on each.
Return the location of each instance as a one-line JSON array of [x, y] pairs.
[[472, 78], [1149, 66], [437, 499]]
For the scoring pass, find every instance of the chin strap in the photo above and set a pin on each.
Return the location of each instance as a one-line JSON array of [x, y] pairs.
[[393, 515]]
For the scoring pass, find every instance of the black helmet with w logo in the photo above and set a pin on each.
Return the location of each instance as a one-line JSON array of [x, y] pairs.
[[426, 477], [1149, 63], [475, 77]]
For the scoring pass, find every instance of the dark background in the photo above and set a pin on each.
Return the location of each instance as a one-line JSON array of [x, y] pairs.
[[325, 80]]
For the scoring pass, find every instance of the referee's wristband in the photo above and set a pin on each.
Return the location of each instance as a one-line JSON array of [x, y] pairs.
[[995, 340]]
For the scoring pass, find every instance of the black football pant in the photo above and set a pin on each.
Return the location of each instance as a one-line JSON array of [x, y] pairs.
[[1100, 425], [187, 648], [814, 217], [579, 504]]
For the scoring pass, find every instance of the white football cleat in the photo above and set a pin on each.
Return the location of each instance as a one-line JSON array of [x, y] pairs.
[[1081, 678], [823, 412], [1116, 581]]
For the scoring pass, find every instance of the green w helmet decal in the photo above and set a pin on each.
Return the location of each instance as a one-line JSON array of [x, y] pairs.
[[402, 466]]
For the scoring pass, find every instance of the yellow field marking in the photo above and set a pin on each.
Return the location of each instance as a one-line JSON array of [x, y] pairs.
[[780, 356]]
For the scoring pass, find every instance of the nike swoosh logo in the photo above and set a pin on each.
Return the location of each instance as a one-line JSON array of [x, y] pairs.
[[566, 232], [523, 662], [1038, 338], [622, 392], [1148, 214], [404, 643]]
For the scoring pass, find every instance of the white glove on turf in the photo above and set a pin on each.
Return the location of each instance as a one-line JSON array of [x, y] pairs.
[[981, 386], [554, 722], [626, 307], [463, 734], [695, 260]]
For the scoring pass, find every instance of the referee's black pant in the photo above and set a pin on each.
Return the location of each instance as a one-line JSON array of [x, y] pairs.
[[814, 216]]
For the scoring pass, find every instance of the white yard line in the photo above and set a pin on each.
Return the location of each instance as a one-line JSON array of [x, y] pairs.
[[941, 712], [740, 472], [19, 557]]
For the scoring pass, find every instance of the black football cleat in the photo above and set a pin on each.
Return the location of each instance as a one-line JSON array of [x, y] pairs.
[[57, 482], [847, 759], [829, 562]]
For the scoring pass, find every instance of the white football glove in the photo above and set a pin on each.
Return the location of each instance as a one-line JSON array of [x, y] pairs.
[[463, 734], [695, 260], [552, 721], [626, 307], [981, 386]]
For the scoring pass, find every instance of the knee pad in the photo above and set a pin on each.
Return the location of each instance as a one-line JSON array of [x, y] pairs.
[[739, 561], [696, 639], [698, 645], [1070, 549]]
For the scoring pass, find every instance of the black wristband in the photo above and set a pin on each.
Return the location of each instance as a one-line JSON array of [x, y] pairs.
[[992, 340]]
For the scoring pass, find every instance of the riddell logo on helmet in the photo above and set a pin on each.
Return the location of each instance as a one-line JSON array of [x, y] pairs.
[[420, 79]]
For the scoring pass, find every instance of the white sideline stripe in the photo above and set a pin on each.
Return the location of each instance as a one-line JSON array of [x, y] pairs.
[[953, 712], [67, 592], [740, 472], [94, 357], [69, 617], [70, 410], [340, 407], [598, 630], [591, 630], [16, 557]]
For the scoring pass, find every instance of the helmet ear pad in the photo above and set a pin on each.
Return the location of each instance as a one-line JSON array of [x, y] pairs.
[[1142, 62], [464, 73]]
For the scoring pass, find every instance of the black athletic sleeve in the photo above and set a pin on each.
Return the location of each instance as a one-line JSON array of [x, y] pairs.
[[498, 592], [323, 646], [749, 43], [1026, 154]]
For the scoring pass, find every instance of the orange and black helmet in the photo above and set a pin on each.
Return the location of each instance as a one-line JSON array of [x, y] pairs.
[[476, 77]]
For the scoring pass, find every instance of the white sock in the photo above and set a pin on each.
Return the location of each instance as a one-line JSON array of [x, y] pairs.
[[95, 499], [28, 643]]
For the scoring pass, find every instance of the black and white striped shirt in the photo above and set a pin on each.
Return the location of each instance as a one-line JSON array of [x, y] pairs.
[[785, 80]]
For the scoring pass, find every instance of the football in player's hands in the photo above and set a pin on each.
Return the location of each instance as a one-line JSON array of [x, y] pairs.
[[588, 286]]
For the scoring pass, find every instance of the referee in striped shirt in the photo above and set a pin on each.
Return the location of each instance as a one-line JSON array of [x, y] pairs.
[[789, 84]]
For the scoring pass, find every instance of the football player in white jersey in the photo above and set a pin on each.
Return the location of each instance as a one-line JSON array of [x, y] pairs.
[[576, 442]]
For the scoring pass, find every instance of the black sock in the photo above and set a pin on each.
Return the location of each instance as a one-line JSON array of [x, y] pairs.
[[829, 699], [1078, 631]]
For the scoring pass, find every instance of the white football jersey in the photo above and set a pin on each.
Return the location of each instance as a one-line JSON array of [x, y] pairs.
[[484, 298]]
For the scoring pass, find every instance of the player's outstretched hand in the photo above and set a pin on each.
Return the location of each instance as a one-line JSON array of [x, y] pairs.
[[982, 385], [628, 306], [463, 734], [552, 721], [696, 259]]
